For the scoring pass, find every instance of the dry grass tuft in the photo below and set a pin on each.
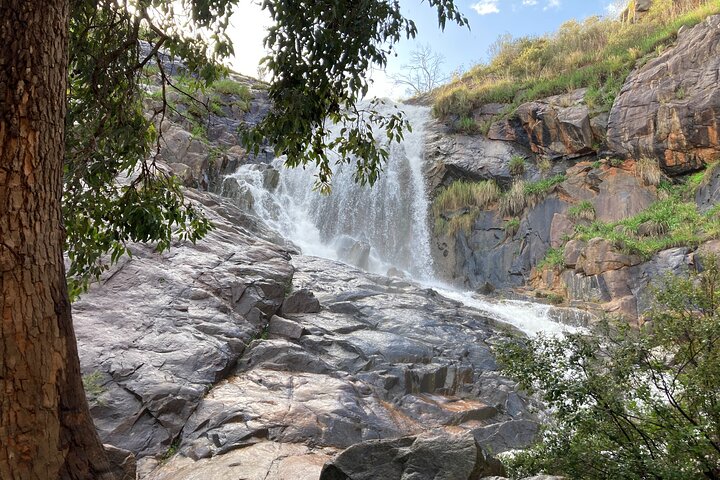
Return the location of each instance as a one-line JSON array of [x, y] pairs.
[[648, 171]]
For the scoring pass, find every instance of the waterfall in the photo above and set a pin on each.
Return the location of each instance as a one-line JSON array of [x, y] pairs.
[[381, 229], [376, 228]]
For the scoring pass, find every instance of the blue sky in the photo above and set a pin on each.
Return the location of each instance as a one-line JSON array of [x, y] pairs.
[[488, 20], [460, 47]]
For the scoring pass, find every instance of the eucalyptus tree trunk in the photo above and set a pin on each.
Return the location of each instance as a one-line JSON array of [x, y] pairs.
[[46, 431]]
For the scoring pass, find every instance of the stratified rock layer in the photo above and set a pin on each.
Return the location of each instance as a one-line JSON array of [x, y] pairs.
[[669, 109]]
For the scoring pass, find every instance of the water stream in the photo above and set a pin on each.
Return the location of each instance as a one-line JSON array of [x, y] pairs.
[[383, 229]]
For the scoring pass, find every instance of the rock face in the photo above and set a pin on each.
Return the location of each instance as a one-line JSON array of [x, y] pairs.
[[382, 359], [469, 157], [201, 351], [670, 108], [557, 126], [162, 329], [666, 114], [489, 253], [595, 272], [413, 458]]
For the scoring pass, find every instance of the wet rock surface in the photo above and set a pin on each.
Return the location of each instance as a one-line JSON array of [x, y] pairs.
[[382, 359], [202, 351], [160, 330]]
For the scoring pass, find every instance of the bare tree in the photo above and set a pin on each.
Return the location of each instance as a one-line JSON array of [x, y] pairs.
[[423, 74]]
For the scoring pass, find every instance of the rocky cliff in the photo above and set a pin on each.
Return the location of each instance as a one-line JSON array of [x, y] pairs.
[[238, 357], [589, 227]]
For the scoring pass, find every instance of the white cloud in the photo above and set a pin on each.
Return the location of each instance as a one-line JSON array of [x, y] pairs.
[[485, 7], [552, 4], [529, 2]]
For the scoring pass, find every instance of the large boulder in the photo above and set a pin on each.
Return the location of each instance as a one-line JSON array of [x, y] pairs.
[[413, 458], [452, 157], [557, 126], [669, 109]]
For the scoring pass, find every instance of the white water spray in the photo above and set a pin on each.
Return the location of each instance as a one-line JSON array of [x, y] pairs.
[[375, 228]]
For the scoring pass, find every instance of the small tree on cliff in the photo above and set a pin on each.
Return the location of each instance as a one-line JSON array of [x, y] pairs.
[[631, 403], [423, 74], [71, 123]]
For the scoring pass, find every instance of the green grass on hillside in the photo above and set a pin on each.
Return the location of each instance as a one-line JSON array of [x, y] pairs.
[[597, 53], [677, 222]]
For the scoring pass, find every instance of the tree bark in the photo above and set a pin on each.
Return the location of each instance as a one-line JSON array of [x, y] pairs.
[[46, 431]]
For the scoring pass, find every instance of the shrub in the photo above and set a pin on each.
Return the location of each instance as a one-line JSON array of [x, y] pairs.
[[514, 201], [629, 403], [512, 226], [648, 171], [517, 165], [553, 258], [582, 211]]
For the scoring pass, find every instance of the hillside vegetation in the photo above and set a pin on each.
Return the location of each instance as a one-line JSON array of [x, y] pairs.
[[597, 53]]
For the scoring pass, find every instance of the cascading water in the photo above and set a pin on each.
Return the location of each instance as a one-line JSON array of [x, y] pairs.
[[375, 228], [379, 228]]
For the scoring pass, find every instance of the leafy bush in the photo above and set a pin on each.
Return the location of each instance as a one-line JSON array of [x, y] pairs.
[[582, 211], [630, 403], [517, 165]]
